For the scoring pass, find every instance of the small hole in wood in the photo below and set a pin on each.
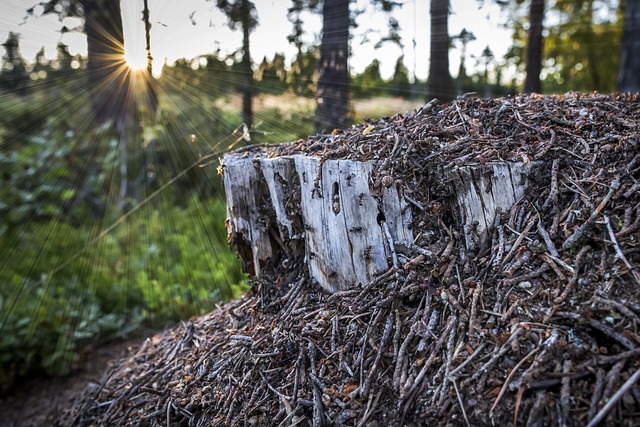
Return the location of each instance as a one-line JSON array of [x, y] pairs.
[[335, 198]]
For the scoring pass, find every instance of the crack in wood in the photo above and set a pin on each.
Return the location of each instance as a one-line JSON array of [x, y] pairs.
[[341, 240]]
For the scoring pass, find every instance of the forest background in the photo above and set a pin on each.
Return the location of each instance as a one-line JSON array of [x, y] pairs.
[[111, 207]]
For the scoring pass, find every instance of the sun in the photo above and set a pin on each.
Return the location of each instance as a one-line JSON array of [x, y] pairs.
[[135, 62]]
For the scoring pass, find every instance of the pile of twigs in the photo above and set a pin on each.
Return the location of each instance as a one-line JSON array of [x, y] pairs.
[[536, 327]]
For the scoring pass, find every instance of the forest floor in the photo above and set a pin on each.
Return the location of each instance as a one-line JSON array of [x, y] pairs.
[[39, 401], [536, 324]]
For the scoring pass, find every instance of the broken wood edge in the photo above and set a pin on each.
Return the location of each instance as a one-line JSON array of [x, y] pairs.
[[343, 222]]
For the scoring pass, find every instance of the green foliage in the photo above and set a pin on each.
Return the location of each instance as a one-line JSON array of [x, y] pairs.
[[369, 83], [583, 50], [65, 282], [13, 74], [62, 287], [581, 46]]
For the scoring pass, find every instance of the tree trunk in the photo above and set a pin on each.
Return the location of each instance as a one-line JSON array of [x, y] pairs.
[[108, 74], [109, 77], [534, 47], [440, 84], [283, 211], [151, 95], [247, 72], [332, 97], [629, 73]]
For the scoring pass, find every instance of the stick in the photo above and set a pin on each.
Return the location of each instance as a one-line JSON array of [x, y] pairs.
[[606, 329], [409, 388], [508, 380], [598, 388], [383, 343], [464, 413], [392, 249], [619, 253], [505, 347], [565, 391], [614, 399], [519, 240], [467, 360], [573, 239], [553, 194], [547, 239]]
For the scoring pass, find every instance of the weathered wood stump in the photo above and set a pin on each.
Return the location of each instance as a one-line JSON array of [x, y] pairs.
[[345, 222]]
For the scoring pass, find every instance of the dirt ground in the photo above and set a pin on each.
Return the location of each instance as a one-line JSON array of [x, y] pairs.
[[39, 401]]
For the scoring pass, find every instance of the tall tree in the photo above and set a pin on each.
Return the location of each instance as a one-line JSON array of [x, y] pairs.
[[399, 84], [534, 47], [108, 75], [487, 55], [332, 94], [243, 13], [629, 72], [580, 48], [465, 37], [439, 84], [13, 73], [151, 95]]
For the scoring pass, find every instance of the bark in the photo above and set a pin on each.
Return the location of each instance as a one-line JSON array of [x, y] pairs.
[[534, 48], [247, 72], [629, 72], [152, 98], [440, 84], [108, 76], [332, 97], [327, 213]]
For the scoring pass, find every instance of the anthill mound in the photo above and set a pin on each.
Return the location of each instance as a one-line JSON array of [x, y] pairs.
[[536, 327]]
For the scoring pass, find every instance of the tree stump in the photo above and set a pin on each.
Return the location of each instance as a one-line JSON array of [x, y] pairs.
[[344, 222]]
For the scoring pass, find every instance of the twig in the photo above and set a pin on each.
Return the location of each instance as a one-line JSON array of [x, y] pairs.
[[614, 399], [516, 244], [611, 379], [606, 360], [467, 360], [537, 410], [565, 391], [547, 239], [473, 312], [511, 374], [413, 202], [410, 388], [371, 403], [383, 343], [549, 261], [529, 276], [574, 278], [464, 413], [391, 245], [402, 352], [497, 355], [318, 408], [619, 253], [577, 235], [498, 260], [553, 193], [618, 306], [598, 388], [608, 330]]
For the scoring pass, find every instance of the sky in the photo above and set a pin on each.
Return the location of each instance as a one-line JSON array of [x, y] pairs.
[[176, 33]]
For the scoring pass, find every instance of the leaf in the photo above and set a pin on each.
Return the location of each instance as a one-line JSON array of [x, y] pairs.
[[368, 130]]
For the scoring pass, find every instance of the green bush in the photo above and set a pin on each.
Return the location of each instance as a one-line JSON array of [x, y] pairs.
[[61, 287]]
